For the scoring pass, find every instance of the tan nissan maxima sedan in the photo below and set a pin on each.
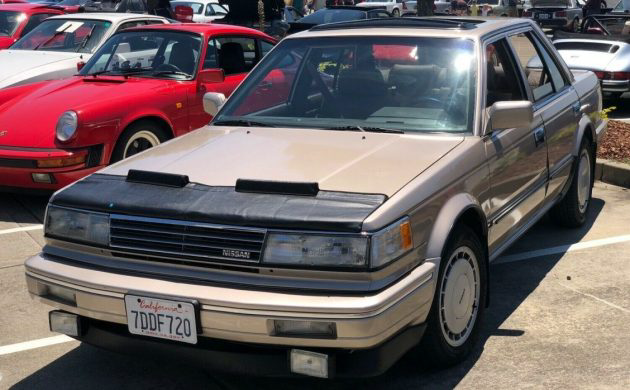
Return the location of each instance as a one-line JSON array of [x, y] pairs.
[[342, 207]]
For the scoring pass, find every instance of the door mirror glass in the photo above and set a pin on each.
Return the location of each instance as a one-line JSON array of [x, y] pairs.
[[212, 102], [215, 75], [510, 114]]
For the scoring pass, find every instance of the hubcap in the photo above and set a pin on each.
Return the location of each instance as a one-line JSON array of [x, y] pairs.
[[584, 181], [459, 296], [139, 142]]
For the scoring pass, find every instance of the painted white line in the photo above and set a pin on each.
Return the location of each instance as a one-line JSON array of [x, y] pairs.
[[21, 229], [562, 249], [595, 298], [39, 343]]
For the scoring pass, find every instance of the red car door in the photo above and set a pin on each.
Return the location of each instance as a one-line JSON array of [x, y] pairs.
[[236, 55]]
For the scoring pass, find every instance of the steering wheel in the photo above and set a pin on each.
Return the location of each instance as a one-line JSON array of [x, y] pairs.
[[324, 89], [168, 67], [435, 102]]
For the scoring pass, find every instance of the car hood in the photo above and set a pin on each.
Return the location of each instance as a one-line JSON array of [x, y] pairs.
[[346, 161], [80, 94], [14, 63], [586, 59]]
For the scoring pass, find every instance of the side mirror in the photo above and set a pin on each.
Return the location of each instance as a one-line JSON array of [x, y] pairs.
[[212, 102], [80, 65], [211, 76], [510, 114]]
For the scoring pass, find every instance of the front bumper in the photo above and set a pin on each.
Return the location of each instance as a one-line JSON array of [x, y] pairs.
[[18, 165], [241, 315]]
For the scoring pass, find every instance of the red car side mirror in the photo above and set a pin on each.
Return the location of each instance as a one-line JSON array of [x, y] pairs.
[[183, 13], [207, 76], [80, 65]]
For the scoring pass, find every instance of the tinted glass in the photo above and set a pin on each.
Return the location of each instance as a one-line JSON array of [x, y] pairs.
[[332, 15], [408, 84], [156, 54], [67, 35], [502, 81], [538, 77], [9, 22], [236, 54]]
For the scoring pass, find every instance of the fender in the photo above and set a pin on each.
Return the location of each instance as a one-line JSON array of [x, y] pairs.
[[450, 213], [138, 115], [585, 124]]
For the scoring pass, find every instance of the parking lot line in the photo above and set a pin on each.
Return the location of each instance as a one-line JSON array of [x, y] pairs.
[[21, 229], [562, 248], [32, 344]]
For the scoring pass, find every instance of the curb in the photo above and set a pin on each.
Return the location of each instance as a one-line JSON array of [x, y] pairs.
[[613, 172]]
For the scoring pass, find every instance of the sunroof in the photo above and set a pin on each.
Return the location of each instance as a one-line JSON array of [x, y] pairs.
[[440, 23]]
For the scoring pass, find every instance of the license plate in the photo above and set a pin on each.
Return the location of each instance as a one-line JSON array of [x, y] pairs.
[[543, 16], [161, 318]]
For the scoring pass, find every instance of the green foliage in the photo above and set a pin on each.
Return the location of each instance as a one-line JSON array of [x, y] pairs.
[[604, 113]]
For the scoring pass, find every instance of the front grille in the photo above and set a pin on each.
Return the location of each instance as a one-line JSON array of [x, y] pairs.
[[198, 242]]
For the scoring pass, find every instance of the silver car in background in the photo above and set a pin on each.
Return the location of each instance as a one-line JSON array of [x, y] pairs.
[[603, 47], [556, 14]]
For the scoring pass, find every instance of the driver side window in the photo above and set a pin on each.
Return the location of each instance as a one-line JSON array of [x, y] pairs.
[[502, 80]]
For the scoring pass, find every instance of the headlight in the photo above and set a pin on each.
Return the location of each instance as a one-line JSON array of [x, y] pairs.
[[391, 243], [67, 125], [77, 225], [316, 250], [340, 250]]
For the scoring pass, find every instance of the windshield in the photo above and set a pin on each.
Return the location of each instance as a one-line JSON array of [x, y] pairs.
[[623, 5], [9, 22], [158, 54], [67, 35], [493, 2], [362, 83], [332, 16], [196, 7]]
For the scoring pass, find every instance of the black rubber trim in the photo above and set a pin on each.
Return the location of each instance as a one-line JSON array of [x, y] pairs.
[[327, 211], [276, 187], [157, 178], [17, 163], [248, 359]]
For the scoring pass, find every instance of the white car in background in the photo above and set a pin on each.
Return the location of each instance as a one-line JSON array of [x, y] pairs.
[[204, 11], [395, 7], [53, 49]]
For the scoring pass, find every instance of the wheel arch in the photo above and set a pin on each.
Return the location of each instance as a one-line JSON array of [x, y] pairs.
[[156, 119], [585, 128]]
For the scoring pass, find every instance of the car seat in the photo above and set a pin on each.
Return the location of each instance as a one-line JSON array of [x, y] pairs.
[[361, 93], [183, 57], [232, 58]]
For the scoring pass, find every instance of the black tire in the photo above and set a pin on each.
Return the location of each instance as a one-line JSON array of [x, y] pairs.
[[570, 212], [435, 349], [152, 133], [395, 13]]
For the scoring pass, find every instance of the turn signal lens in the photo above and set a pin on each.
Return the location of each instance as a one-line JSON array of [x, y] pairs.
[[60, 162], [405, 233], [391, 243]]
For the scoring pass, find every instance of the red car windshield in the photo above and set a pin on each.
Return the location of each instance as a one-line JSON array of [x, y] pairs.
[[67, 35], [9, 22], [163, 54]]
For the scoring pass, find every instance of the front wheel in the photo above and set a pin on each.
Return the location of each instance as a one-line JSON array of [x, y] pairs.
[[138, 138], [395, 13], [572, 209], [458, 302]]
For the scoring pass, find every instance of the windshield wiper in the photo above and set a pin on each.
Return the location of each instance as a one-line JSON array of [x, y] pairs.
[[85, 40], [119, 72], [173, 72], [365, 129], [47, 41], [241, 122]]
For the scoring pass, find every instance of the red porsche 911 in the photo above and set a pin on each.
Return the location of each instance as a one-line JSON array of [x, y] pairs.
[[142, 87], [18, 19]]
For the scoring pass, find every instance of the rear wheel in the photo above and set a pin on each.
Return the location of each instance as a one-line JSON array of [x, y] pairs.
[[137, 138], [396, 12], [458, 302], [572, 209], [575, 26]]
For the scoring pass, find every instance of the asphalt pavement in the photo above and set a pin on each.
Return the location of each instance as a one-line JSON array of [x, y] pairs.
[[559, 318]]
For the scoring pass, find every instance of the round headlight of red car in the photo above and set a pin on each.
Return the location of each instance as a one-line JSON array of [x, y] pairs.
[[67, 125]]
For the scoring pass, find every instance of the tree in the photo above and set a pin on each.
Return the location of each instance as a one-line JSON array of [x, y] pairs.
[[425, 7]]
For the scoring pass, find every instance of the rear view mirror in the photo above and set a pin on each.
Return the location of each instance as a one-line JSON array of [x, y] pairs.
[[212, 102], [510, 114], [80, 65], [183, 13], [211, 76]]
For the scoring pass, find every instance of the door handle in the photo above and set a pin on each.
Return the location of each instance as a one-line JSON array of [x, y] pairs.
[[539, 136], [577, 109]]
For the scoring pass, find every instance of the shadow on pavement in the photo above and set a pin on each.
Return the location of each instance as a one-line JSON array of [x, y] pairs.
[[510, 285], [20, 208]]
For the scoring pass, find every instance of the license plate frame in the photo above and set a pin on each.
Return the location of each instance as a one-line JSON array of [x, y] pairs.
[[186, 329], [543, 16]]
